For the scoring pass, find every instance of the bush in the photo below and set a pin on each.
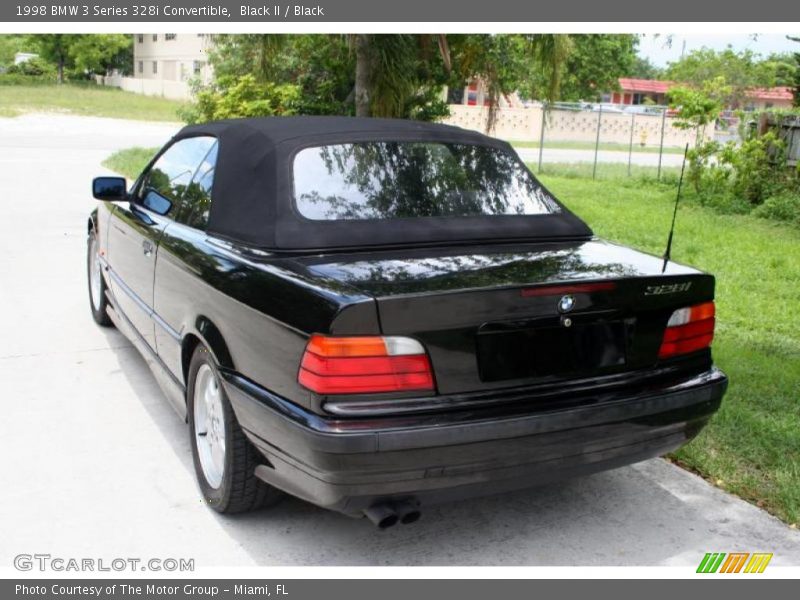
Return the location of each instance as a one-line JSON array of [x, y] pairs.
[[758, 167], [32, 71], [738, 178], [726, 202], [783, 207], [17, 79], [703, 173], [33, 67], [243, 97]]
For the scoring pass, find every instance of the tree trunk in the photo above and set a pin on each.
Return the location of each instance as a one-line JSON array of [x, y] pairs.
[[60, 69], [363, 75]]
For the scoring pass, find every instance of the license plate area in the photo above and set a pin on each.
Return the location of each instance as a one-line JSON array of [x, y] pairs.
[[517, 351]]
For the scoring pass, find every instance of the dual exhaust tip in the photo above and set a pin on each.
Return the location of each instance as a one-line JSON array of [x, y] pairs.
[[388, 514]]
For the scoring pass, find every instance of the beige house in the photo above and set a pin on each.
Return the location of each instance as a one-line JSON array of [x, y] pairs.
[[476, 94], [172, 56], [779, 98]]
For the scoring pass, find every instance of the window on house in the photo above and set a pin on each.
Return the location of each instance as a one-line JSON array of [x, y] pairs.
[[155, 67], [141, 66], [155, 37], [197, 66], [140, 38], [170, 36], [455, 95]]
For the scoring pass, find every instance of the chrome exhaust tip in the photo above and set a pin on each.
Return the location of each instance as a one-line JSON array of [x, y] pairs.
[[408, 511], [382, 516]]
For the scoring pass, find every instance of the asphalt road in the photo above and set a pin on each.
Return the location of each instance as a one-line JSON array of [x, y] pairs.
[[95, 463]]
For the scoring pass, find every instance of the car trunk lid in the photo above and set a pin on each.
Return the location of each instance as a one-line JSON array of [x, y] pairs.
[[501, 316]]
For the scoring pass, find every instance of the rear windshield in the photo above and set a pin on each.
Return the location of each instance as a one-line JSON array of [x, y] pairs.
[[391, 180]]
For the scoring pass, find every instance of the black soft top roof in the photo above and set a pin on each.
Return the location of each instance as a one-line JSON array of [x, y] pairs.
[[252, 196]]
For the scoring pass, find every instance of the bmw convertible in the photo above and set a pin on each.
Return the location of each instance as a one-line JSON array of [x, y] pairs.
[[378, 315]]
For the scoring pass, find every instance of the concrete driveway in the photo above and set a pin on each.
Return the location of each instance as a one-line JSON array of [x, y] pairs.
[[95, 463]]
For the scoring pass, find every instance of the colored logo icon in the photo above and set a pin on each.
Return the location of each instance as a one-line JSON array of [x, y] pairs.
[[734, 562]]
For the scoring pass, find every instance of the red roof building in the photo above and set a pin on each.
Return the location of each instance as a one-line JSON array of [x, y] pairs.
[[638, 91], [763, 98]]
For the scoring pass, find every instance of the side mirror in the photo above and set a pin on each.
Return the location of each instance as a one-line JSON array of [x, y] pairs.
[[113, 189]]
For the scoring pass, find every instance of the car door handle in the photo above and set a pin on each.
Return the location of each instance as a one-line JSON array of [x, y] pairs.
[[147, 247]]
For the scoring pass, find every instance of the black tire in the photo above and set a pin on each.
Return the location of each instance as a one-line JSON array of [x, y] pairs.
[[240, 490], [99, 305]]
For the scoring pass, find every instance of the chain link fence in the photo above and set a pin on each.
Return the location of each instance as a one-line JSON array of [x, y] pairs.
[[589, 139]]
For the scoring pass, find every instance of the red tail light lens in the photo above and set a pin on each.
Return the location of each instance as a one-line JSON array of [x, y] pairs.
[[364, 365], [688, 330]]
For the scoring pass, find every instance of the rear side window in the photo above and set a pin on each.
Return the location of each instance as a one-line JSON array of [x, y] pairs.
[[164, 185], [196, 203], [389, 180]]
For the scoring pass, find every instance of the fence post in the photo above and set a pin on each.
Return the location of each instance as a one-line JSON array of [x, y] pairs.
[[630, 144], [661, 146], [597, 140], [541, 135]]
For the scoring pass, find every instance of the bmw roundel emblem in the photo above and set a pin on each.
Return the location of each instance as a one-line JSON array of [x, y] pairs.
[[566, 304]]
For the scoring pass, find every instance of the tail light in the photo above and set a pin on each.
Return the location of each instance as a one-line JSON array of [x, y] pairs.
[[688, 330], [364, 365]]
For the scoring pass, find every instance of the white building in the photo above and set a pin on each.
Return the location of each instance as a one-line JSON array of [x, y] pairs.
[[172, 56], [22, 57]]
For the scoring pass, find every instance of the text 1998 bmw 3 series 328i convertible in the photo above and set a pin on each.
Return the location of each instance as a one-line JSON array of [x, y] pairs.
[[375, 315]]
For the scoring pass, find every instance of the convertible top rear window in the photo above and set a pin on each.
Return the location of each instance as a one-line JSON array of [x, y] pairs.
[[390, 180], [318, 183]]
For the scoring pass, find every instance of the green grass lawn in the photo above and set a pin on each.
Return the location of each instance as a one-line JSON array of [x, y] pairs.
[[567, 145], [752, 446], [130, 161], [92, 100], [606, 170]]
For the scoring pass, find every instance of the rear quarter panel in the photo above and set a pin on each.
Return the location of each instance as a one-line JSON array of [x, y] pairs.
[[253, 312]]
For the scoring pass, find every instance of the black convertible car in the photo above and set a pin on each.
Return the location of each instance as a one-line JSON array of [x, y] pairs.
[[374, 315]]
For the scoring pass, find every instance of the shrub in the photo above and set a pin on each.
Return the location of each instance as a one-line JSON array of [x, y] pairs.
[[782, 207], [33, 67], [242, 97], [702, 172], [737, 178], [758, 167], [17, 79], [726, 203], [696, 108]]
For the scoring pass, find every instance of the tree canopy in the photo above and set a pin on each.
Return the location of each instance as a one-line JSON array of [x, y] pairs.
[[741, 70], [402, 75], [795, 84], [592, 66], [643, 68], [75, 54], [10, 44]]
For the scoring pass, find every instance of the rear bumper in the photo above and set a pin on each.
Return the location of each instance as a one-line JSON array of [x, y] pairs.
[[348, 465]]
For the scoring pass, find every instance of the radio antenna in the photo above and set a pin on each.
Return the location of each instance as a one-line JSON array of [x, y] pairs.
[[668, 251]]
